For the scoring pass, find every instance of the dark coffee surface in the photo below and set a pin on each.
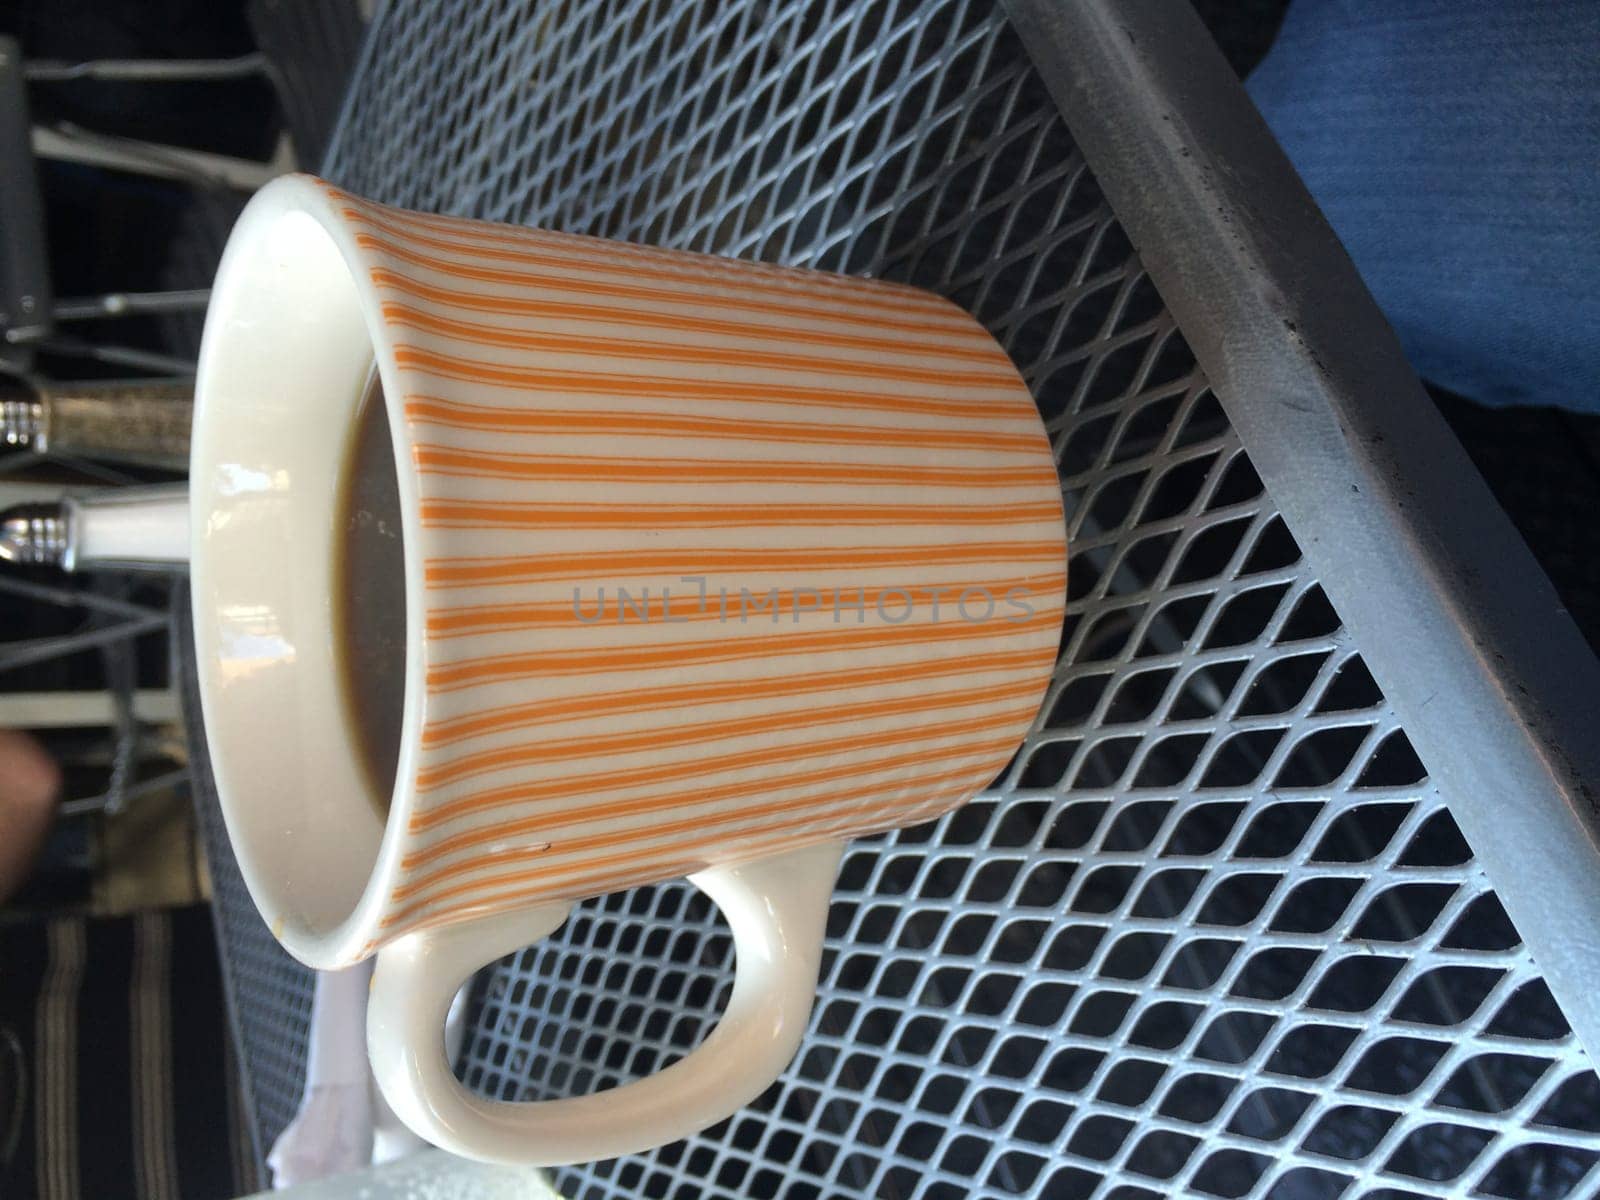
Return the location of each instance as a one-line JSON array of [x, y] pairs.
[[370, 597]]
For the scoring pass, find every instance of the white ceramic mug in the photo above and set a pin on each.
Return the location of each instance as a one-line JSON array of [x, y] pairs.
[[832, 515]]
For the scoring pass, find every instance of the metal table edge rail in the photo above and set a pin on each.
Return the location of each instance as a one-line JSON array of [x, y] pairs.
[[1492, 681]]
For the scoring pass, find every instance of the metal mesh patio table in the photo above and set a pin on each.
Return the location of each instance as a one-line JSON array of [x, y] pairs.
[[1218, 928]]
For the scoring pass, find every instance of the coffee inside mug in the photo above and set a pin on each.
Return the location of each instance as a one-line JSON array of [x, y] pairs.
[[369, 598], [301, 592]]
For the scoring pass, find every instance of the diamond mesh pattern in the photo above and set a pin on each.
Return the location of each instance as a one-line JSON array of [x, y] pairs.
[[1212, 932], [276, 991]]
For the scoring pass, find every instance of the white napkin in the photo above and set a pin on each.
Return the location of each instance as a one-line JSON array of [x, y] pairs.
[[343, 1122], [431, 1174], [332, 1132]]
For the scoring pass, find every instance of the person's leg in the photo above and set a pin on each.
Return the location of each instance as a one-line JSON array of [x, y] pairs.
[[1455, 147], [30, 782]]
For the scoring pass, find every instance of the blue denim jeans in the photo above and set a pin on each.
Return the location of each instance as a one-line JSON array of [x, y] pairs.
[[1455, 147]]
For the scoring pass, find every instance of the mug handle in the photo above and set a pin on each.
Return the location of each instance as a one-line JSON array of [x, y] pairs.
[[777, 908]]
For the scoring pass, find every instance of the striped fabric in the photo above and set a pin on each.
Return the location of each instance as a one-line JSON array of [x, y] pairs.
[[720, 558], [115, 1072]]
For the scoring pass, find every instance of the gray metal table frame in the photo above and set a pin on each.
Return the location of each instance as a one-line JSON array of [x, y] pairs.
[[1216, 929]]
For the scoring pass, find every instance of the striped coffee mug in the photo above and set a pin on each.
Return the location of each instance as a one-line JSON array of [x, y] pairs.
[[708, 566]]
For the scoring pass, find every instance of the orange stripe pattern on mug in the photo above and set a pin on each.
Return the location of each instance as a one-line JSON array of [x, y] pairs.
[[719, 558]]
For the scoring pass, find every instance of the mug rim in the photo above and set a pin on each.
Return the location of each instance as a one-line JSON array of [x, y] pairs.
[[325, 936]]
